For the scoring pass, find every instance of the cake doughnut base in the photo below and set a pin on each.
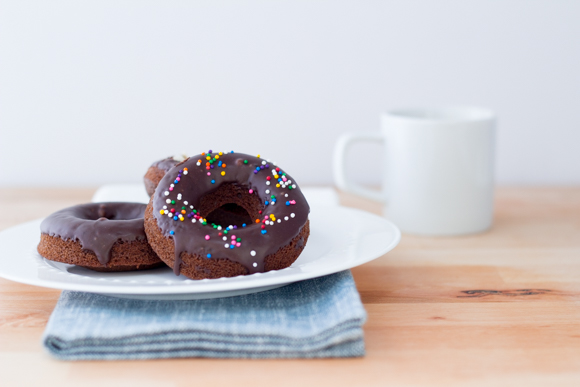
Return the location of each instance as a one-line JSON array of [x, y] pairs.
[[152, 178], [125, 255]]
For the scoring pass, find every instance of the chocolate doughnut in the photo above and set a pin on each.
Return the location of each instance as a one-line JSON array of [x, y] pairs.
[[261, 223], [158, 169], [98, 236]]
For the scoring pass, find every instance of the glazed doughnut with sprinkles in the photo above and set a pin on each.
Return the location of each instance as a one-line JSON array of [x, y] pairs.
[[223, 214]]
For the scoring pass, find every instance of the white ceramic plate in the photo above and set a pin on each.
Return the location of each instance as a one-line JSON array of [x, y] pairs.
[[340, 238]]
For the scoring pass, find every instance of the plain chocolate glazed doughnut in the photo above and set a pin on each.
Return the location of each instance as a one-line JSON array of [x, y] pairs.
[[261, 223], [98, 236]]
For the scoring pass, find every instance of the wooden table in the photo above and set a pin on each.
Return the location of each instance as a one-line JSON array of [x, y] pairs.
[[499, 308]]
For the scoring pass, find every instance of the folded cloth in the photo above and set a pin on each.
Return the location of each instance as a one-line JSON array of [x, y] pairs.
[[322, 317]]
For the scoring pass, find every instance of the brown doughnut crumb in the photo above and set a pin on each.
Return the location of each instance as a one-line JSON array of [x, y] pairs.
[[125, 256], [152, 178]]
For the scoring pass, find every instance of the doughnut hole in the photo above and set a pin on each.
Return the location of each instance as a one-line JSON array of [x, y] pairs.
[[106, 211], [231, 204], [229, 214]]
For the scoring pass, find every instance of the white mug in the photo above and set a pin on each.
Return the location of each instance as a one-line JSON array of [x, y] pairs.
[[438, 169]]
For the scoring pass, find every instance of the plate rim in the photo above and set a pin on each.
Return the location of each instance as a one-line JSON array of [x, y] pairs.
[[180, 290]]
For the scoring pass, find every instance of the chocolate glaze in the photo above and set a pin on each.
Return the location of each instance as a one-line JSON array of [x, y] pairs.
[[166, 164], [97, 226], [193, 186]]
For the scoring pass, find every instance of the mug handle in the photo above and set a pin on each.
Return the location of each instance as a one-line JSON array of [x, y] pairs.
[[342, 145]]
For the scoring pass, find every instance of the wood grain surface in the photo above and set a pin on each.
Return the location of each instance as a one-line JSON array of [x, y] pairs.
[[500, 308]]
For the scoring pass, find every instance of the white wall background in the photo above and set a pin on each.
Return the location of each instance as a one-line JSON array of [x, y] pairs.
[[93, 92]]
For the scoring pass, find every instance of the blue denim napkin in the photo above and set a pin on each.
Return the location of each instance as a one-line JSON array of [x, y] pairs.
[[322, 317]]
